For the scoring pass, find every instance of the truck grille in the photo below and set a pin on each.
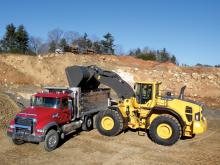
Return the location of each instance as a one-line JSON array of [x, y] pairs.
[[23, 121], [23, 131], [23, 125]]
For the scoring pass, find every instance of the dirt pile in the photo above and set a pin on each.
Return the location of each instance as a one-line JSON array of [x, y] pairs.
[[49, 70], [8, 109]]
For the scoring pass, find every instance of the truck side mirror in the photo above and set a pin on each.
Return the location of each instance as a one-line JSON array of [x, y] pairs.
[[31, 101], [70, 104]]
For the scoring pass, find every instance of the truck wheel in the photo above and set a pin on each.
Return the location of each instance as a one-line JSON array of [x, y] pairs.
[[51, 140], [17, 141], [165, 130], [88, 123], [109, 122]]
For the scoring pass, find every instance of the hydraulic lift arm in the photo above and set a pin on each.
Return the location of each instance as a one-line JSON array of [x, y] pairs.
[[89, 78]]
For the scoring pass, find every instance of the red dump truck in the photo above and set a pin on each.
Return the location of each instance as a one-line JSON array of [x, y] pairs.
[[56, 112]]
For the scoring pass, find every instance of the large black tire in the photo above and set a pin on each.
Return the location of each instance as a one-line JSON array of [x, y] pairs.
[[51, 140], [88, 123], [166, 122], [17, 141], [113, 116]]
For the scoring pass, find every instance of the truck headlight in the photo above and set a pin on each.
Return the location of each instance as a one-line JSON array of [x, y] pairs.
[[197, 116], [40, 130], [12, 126]]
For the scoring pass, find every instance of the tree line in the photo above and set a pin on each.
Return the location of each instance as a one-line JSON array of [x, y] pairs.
[[17, 40], [153, 55]]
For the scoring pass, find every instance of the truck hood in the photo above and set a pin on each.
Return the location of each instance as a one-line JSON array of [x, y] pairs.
[[37, 112]]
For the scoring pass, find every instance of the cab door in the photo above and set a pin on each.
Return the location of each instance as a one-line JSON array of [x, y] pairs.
[[65, 114], [144, 94]]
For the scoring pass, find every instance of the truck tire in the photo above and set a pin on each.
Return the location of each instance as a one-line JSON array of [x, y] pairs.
[[17, 141], [109, 122], [88, 123], [51, 140], [165, 130]]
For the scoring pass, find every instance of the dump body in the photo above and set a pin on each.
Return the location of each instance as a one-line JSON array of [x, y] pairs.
[[94, 101]]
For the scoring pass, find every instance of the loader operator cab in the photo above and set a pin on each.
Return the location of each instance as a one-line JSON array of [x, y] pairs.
[[144, 92]]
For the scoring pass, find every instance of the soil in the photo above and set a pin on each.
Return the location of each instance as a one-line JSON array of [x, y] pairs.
[[126, 148], [21, 76], [49, 70]]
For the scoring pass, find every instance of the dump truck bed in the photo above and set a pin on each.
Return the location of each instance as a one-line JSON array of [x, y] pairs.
[[94, 101]]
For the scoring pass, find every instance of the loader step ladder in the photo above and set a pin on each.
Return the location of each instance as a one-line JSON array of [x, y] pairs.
[[146, 124]]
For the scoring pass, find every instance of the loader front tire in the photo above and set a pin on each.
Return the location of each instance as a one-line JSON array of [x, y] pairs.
[[165, 130], [109, 122]]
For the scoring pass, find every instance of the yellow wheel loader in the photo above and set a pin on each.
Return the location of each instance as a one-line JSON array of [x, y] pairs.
[[165, 118]]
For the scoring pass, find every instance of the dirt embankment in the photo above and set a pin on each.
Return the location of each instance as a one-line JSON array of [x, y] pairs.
[[202, 83], [20, 74]]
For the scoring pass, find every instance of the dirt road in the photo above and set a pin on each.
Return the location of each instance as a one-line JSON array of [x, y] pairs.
[[127, 148]]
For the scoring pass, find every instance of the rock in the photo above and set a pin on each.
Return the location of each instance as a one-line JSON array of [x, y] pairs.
[[203, 76], [195, 76], [211, 77], [176, 75]]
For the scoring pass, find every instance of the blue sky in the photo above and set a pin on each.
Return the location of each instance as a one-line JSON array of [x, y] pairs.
[[190, 29]]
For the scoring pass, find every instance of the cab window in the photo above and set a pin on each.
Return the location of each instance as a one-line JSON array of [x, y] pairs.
[[64, 103], [144, 93]]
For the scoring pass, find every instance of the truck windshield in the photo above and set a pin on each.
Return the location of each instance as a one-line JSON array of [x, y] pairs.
[[49, 102]]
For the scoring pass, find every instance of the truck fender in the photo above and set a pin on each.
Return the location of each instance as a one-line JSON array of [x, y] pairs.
[[49, 126], [169, 111]]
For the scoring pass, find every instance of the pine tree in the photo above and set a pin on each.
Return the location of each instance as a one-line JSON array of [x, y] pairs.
[[164, 55], [52, 46], [63, 44], [97, 47], [173, 60], [1, 46], [22, 40], [108, 44], [9, 39]]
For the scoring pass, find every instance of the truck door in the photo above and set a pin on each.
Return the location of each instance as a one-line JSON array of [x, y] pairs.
[[65, 114]]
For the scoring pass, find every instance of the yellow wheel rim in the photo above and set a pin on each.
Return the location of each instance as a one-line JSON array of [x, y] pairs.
[[164, 131], [107, 123]]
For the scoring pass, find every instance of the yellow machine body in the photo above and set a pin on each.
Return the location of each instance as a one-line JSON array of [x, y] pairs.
[[141, 113]]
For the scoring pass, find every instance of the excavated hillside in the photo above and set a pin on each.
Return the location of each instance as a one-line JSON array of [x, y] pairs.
[[22, 75], [202, 83]]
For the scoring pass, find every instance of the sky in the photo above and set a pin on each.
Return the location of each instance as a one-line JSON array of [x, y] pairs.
[[189, 29]]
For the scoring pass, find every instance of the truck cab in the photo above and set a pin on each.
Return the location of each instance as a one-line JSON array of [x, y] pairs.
[[54, 113]]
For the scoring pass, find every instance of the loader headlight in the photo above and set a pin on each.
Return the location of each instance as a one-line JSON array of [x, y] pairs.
[[197, 116]]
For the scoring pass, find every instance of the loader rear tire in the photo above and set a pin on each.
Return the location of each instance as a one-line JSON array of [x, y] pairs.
[[109, 122], [165, 130]]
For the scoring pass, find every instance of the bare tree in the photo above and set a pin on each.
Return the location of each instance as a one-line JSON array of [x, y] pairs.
[[70, 36], [55, 35], [35, 43], [119, 50]]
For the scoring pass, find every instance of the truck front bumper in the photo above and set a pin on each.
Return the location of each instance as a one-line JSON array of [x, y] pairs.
[[25, 137], [200, 126]]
